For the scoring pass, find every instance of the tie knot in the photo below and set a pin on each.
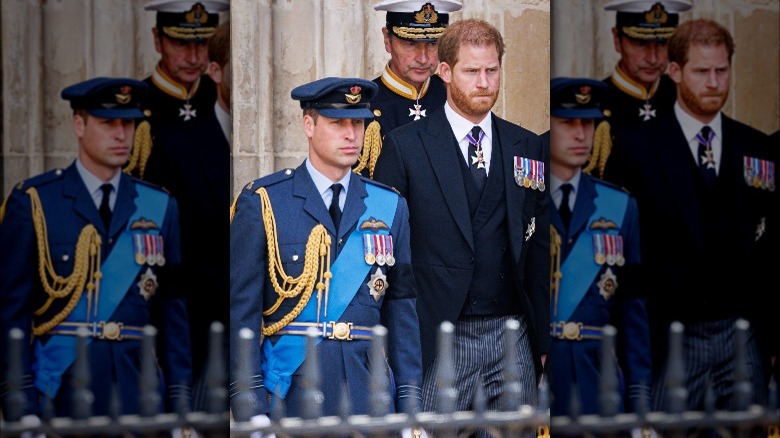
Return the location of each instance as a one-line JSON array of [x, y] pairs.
[[706, 134], [336, 188], [476, 135], [566, 189], [106, 189]]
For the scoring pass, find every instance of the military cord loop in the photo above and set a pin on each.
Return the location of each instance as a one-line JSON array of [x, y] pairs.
[[316, 263], [602, 146], [142, 148], [372, 146], [86, 268], [555, 267]]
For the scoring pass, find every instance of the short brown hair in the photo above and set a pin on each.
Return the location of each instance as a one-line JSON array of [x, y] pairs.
[[219, 45], [702, 32], [471, 31]]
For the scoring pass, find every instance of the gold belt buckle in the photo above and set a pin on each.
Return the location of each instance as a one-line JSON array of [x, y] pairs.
[[111, 331], [341, 331], [571, 331]]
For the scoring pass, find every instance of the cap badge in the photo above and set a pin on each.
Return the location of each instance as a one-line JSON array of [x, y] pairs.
[[426, 15], [657, 15], [583, 96], [355, 96], [123, 97], [197, 14]]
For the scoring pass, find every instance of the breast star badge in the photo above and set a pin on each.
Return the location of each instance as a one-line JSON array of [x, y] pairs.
[[377, 284], [147, 285], [607, 284], [187, 112]]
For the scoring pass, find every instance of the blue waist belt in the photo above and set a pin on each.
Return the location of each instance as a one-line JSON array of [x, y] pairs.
[[337, 330], [107, 330], [575, 331]]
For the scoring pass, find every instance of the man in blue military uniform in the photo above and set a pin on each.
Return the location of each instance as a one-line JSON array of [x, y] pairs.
[[91, 247], [409, 89], [179, 89], [322, 227], [639, 89], [595, 252]]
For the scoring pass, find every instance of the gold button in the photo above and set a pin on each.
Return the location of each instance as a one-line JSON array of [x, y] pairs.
[[295, 257], [111, 331], [571, 331], [341, 331]]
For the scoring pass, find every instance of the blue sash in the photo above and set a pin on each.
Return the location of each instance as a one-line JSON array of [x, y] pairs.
[[579, 270], [119, 271], [349, 272]]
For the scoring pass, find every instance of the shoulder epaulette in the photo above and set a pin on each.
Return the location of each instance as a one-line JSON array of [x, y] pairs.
[[379, 184], [149, 184], [39, 180], [611, 185], [270, 179]]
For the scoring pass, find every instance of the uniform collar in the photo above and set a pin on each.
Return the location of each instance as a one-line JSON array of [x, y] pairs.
[[93, 183], [323, 183], [402, 88], [170, 87], [631, 87]]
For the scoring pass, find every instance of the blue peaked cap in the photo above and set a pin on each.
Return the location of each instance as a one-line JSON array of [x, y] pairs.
[[110, 98], [577, 98], [338, 98]]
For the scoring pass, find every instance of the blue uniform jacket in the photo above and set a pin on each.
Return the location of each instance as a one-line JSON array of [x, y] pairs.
[[68, 208], [298, 207], [577, 363]]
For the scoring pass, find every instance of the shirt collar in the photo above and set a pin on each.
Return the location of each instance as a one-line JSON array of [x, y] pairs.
[[556, 183], [462, 126], [93, 183], [690, 126], [323, 183]]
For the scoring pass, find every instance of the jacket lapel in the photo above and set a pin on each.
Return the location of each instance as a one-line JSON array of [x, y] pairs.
[[354, 207], [124, 206], [83, 204], [515, 195], [441, 147], [584, 205]]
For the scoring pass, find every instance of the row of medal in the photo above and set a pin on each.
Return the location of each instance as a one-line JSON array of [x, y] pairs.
[[148, 249], [378, 248], [759, 173], [608, 248], [529, 173]]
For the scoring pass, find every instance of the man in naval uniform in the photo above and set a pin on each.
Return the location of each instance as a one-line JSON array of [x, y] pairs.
[[179, 89], [639, 89], [409, 89], [192, 162], [321, 247], [89, 247], [595, 253]]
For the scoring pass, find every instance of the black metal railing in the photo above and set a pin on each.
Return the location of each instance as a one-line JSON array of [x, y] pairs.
[[518, 420]]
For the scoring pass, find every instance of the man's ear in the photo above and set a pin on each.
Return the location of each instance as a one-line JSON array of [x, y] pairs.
[[157, 42], [616, 40], [215, 72], [79, 125], [308, 125], [386, 37], [675, 72], [445, 72]]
